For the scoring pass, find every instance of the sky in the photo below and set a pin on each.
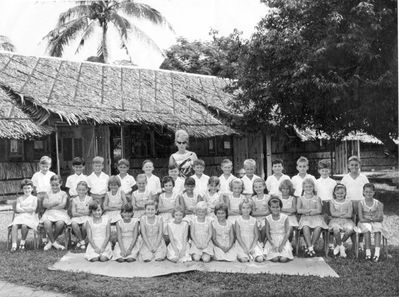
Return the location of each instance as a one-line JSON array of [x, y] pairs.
[[26, 22]]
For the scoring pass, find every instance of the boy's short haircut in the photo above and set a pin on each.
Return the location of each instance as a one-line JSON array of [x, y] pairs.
[[287, 183], [167, 179], [56, 177], [199, 162], [82, 183], [225, 162], [77, 161], [189, 181], [250, 162], [127, 207], [114, 180], [324, 164], [147, 161], [214, 180], [123, 162], [150, 202], [222, 206], [369, 186], [354, 158], [141, 176], [275, 199], [236, 181], [176, 209], [45, 160], [302, 159], [277, 161], [98, 160], [26, 182]]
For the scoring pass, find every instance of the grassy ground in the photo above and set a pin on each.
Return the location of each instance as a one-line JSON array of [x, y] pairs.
[[357, 277]]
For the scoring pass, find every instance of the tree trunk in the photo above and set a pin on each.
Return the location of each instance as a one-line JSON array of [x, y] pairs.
[[104, 43]]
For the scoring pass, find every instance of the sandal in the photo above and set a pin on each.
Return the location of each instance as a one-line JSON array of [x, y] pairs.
[[376, 258], [22, 247], [368, 257]]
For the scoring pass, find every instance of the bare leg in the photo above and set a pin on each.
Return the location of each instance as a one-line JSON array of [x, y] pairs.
[[316, 235], [206, 258], [347, 234], [284, 259], [24, 232], [377, 239], [48, 227], [59, 226], [196, 258], [367, 240], [76, 231], [337, 236], [103, 259], [275, 259], [306, 234], [14, 234]]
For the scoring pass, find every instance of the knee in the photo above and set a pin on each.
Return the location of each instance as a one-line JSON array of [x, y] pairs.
[[275, 259], [197, 258], [206, 258], [174, 260], [283, 259], [243, 259], [103, 259], [120, 260], [259, 259], [95, 259], [60, 224], [130, 260]]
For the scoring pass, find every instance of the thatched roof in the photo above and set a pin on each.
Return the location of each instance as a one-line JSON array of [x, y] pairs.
[[113, 94], [15, 124]]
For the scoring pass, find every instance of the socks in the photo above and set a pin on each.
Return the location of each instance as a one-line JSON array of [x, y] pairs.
[[22, 242], [368, 252], [377, 252], [14, 245]]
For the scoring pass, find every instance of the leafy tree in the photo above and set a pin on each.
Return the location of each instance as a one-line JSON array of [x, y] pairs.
[[219, 56], [81, 21], [6, 44], [329, 64]]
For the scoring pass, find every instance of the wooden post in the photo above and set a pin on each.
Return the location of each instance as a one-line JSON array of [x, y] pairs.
[[358, 148], [262, 156], [122, 143], [57, 151], [268, 153]]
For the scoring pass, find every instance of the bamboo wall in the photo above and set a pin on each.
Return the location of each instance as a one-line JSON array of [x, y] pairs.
[[11, 174]]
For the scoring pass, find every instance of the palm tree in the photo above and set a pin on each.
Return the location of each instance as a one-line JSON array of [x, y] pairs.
[[83, 19], [6, 44]]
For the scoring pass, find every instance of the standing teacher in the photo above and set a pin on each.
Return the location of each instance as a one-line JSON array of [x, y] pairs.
[[183, 159]]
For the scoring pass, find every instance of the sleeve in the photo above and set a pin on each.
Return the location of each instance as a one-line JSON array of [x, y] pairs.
[[34, 180], [132, 181], [268, 184], [68, 183]]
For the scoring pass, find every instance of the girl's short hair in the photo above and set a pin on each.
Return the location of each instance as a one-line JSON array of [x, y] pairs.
[[250, 162], [45, 160], [127, 207], [82, 183], [222, 206], [258, 180], [249, 202], [98, 160], [141, 176], [189, 181], [369, 186], [339, 186], [214, 180], [114, 180], [287, 184], [56, 177], [177, 209], [167, 179], [94, 205], [150, 202], [275, 199], [147, 161], [123, 162], [308, 180], [26, 182], [201, 205], [236, 181]]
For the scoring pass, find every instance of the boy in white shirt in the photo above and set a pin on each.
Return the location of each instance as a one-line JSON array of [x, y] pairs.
[[325, 184], [226, 177], [273, 181], [98, 180], [302, 165], [78, 165], [201, 179], [249, 177], [173, 172], [127, 181], [354, 181]]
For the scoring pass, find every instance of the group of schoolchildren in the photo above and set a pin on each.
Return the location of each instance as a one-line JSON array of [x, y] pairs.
[[224, 218]]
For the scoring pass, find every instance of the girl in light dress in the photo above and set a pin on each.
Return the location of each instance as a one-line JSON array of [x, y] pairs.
[[312, 221], [277, 248], [129, 243], [56, 216], [212, 196], [98, 230], [178, 248], [247, 244], [260, 207], [289, 203], [141, 196], [114, 199], [25, 215], [371, 215], [189, 199], [341, 211], [233, 199], [223, 235], [151, 226], [80, 213], [167, 201]]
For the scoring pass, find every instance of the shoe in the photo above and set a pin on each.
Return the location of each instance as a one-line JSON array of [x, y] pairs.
[[22, 246], [58, 246], [78, 245], [342, 253], [13, 249], [83, 246], [336, 250], [368, 257], [312, 253], [47, 246], [376, 258]]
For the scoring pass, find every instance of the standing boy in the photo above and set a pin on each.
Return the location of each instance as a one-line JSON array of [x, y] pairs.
[[249, 177], [273, 181], [325, 184], [201, 179], [78, 165], [41, 180], [98, 180], [354, 181], [173, 172], [127, 181], [226, 177], [302, 165]]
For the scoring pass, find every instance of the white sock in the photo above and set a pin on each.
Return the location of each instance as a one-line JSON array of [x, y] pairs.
[[377, 251], [14, 245], [368, 252], [311, 248], [22, 242]]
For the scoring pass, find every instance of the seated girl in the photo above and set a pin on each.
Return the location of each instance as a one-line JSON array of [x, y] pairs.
[[141, 196], [289, 203], [25, 215], [212, 196], [98, 233], [223, 235], [277, 247], [151, 226], [114, 199], [128, 245], [189, 199], [168, 200], [80, 213], [178, 248], [341, 211], [56, 217], [201, 234], [233, 199], [247, 244]]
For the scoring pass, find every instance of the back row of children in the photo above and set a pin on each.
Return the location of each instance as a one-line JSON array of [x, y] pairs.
[[303, 195]]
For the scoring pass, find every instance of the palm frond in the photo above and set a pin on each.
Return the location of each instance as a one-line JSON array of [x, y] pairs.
[[59, 38], [6, 44], [86, 34], [141, 35], [121, 23], [74, 12]]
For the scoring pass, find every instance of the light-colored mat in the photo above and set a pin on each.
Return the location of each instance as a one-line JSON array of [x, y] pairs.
[[299, 266]]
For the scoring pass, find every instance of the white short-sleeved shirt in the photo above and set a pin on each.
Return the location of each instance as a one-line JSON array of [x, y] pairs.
[[153, 184], [225, 183], [127, 183], [325, 188], [179, 185], [272, 184], [98, 184], [297, 182], [72, 181], [201, 184], [42, 181], [248, 184], [354, 187]]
